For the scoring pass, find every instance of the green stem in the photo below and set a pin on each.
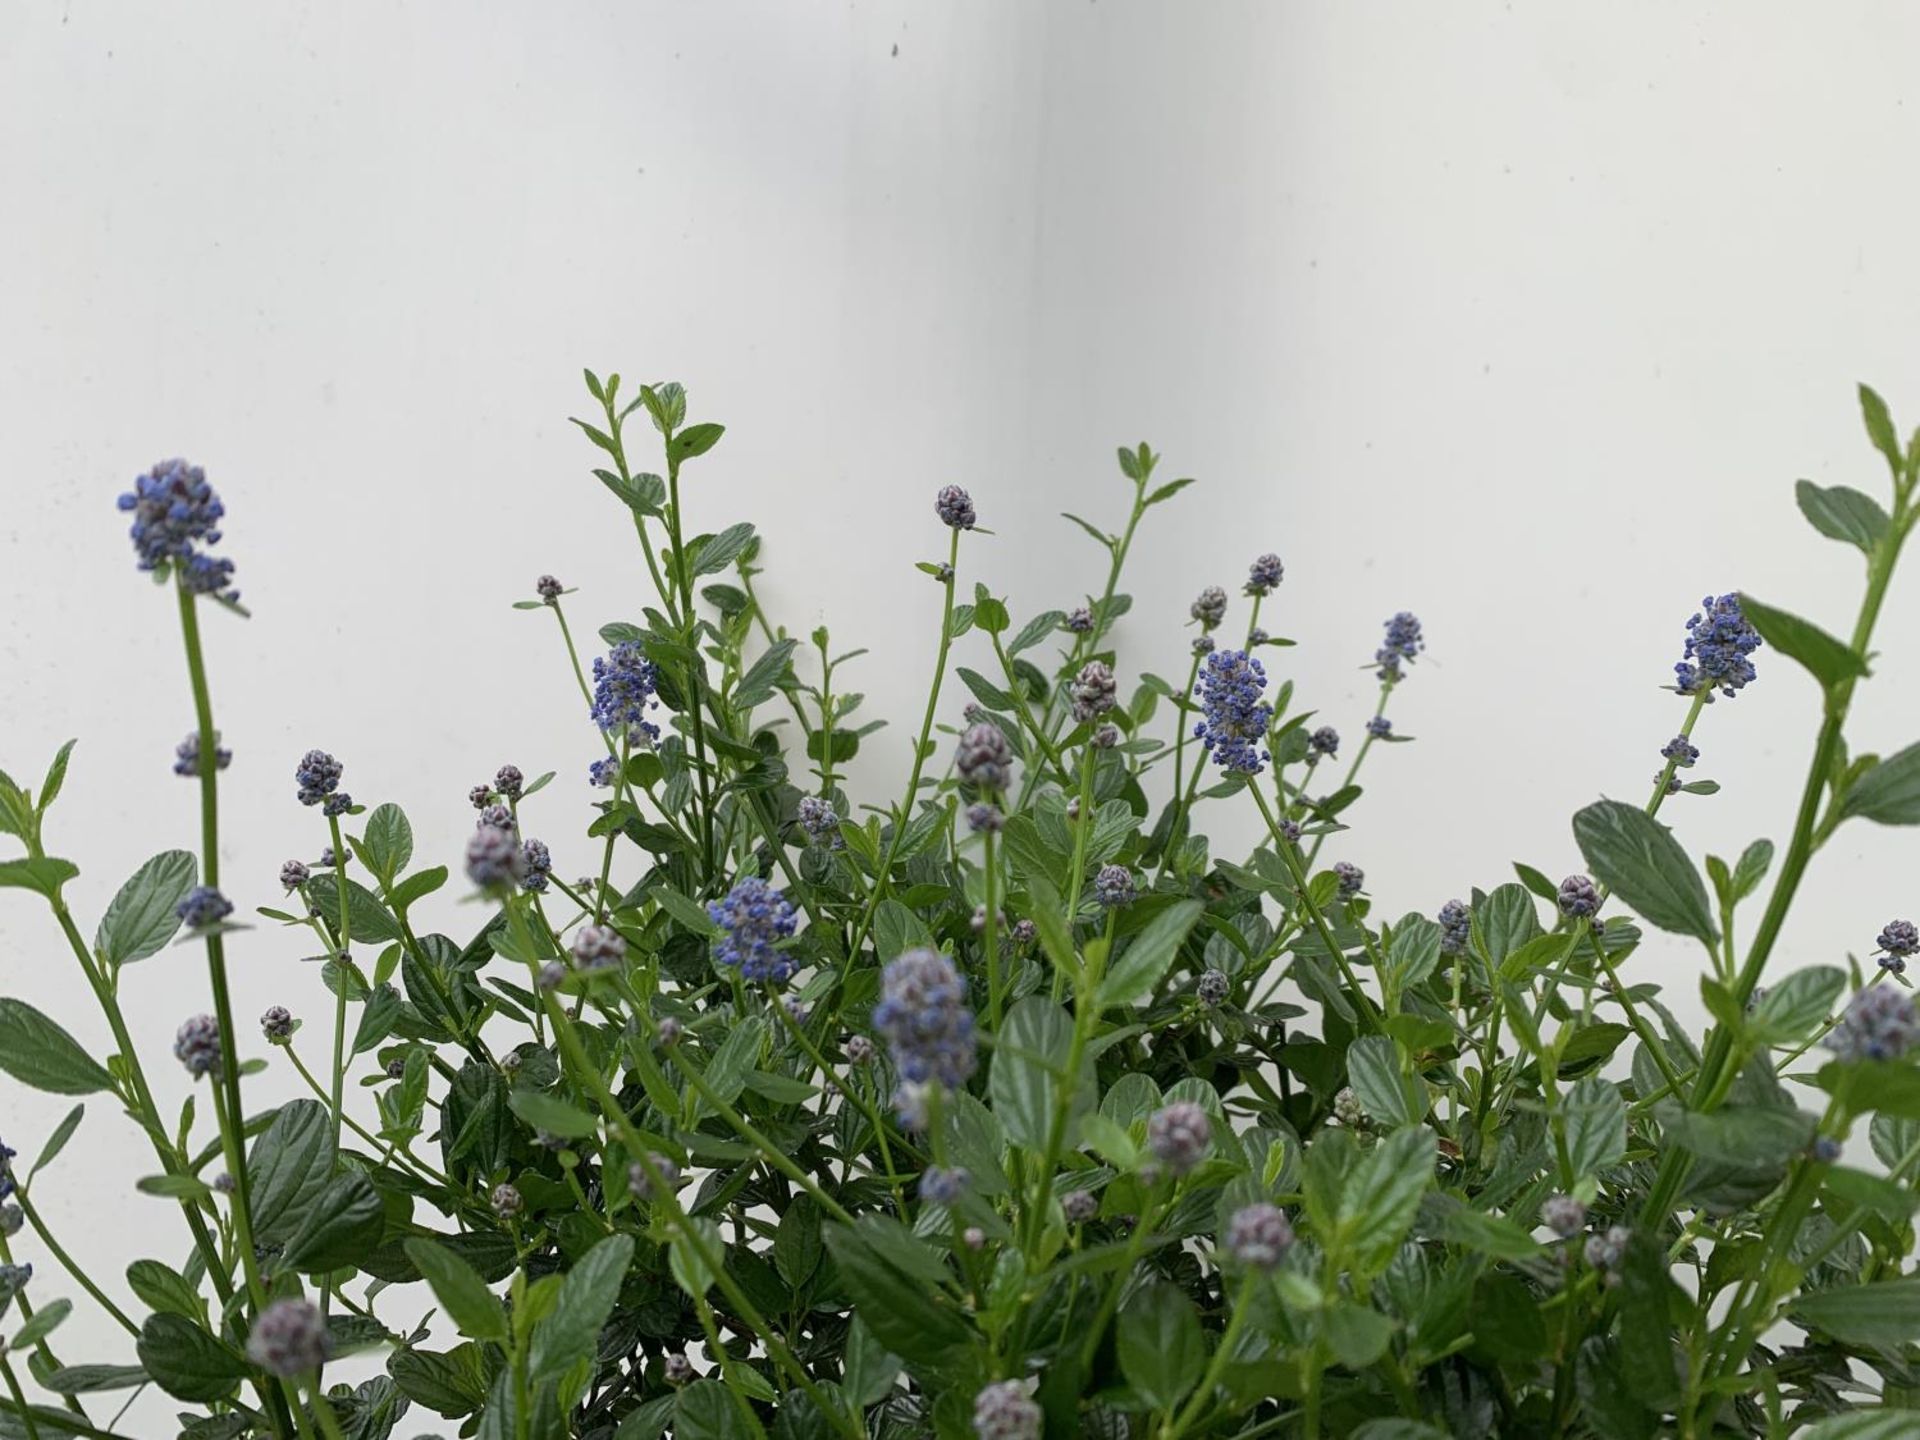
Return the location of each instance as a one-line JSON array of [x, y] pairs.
[[993, 932], [1291, 859], [697, 670], [323, 1411], [337, 1101], [19, 1400], [67, 1263], [147, 1110], [1676, 1164], [772, 1153], [1223, 1353], [905, 817]]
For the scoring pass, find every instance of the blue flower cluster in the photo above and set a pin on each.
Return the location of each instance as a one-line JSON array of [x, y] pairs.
[[984, 758], [1323, 742], [1456, 927], [1879, 1024], [753, 918], [1719, 640], [624, 682], [1379, 727], [1236, 719], [940, 1185], [604, 772], [536, 864], [7, 1152], [317, 775], [197, 1046], [1263, 576], [203, 906], [494, 860], [1898, 942], [1113, 886], [1403, 643], [924, 1019], [818, 818], [1579, 897], [186, 755], [175, 511]]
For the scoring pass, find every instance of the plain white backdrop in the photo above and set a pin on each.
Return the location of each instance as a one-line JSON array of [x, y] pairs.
[[1524, 319]]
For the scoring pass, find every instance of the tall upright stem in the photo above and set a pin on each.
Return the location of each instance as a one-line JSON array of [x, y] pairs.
[[228, 1079], [919, 754]]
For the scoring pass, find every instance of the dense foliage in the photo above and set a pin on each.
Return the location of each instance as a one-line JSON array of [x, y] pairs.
[[1010, 1107]]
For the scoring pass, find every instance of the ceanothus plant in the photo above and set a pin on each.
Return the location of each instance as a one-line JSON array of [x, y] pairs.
[[1008, 1106]]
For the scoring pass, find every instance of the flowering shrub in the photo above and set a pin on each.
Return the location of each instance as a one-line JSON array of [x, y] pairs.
[[1007, 1106]]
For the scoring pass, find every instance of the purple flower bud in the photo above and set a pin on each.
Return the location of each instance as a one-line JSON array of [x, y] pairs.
[[955, 507], [289, 1339], [1179, 1135], [1258, 1235]]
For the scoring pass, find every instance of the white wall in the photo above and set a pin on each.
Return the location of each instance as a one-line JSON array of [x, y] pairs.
[[1524, 319]]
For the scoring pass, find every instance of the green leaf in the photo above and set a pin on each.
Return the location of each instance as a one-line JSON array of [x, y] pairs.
[[388, 842], [1748, 1136], [141, 919], [552, 1114], [1884, 1313], [460, 1291], [1647, 1357], [1595, 1119], [1413, 951], [94, 1379], [797, 1243], [345, 1221], [903, 1316], [988, 613], [1889, 793], [717, 552], [1873, 1424], [1880, 429], [1842, 514], [705, 1411], [1828, 660], [763, 677], [174, 1187], [37, 1052], [44, 1322], [1638, 858], [690, 1271], [1382, 1194], [56, 777], [57, 1141], [1377, 1071], [450, 1384], [44, 876], [1143, 964], [586, 1300], [1030, 1057], [164, 1289], [288, 1168], [693, 916], [1036, 630], [1791, 1009], [869, 1368], [368, 921], [697, 440], [417, 887], [1161, 1348], [1358, 1335], [187, 1362]]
